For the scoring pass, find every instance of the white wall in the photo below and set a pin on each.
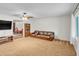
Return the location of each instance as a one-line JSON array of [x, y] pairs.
[[59, 25]]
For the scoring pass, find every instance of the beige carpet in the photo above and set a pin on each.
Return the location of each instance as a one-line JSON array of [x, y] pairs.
[[36, 47]]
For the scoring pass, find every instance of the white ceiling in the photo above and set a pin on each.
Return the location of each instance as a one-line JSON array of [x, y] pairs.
[[37, 9]]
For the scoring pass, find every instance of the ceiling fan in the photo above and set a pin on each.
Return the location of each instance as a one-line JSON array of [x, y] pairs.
[[23, 15], [26, 16]]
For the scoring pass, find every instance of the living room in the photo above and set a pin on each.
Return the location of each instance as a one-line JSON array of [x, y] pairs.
[[30, 24]]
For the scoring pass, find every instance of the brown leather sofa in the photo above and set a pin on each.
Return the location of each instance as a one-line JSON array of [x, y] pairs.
[[43, 34]]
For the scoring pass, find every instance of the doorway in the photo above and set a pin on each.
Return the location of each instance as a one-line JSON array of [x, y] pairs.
[[17, 29]]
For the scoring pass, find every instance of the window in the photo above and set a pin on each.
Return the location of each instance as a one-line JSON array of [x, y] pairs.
[[77, 26]]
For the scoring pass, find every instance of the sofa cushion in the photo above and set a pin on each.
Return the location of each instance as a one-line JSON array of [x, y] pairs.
[[49, 33], [43, 36], [41, 33]]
